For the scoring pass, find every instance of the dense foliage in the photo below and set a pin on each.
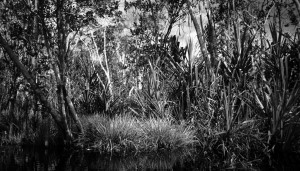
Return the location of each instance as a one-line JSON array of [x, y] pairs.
[[69, 68]]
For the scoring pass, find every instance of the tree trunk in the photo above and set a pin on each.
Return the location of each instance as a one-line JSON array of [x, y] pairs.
[[31, 81], [73, 111], [199, 34], [60, 71], [11, 110], [62, 108]]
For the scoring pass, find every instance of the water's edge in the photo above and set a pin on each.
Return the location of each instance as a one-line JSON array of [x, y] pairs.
[[35, 159]]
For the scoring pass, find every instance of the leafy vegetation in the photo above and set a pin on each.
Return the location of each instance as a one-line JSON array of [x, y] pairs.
[[121, 80]]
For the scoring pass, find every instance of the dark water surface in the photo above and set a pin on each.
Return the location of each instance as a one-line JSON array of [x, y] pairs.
[[30, 159], [34, 159]]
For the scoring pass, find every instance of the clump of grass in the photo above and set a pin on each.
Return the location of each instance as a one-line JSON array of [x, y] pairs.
[[107, 134], [125, 133], [163, 134]]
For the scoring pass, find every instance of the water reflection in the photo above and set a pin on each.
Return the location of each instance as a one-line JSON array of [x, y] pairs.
[[50, 160], [28, 159], [25, 159]]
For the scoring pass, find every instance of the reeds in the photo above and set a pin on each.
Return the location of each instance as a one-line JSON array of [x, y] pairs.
[[276, 97], [235, 104]]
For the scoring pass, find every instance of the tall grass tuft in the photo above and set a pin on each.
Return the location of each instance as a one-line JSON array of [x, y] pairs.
[[125, 133], [162, 133]]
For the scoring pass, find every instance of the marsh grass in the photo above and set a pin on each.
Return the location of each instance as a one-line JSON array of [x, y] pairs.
[[125, 133], [162, 133]]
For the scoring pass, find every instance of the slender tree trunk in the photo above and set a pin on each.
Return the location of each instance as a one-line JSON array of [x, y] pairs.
[[35, 20], [35, 31], [188, 101], [73, 111], [61, 103], [105, 67], [199, 34], [60, 75], [11, 109], [110, 86], [212, 39]]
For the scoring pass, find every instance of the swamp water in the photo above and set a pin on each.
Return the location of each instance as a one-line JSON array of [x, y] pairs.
[[25, 159], [30, 159]]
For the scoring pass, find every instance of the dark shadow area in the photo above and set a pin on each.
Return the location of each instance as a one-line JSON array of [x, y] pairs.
[[36, 159]]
